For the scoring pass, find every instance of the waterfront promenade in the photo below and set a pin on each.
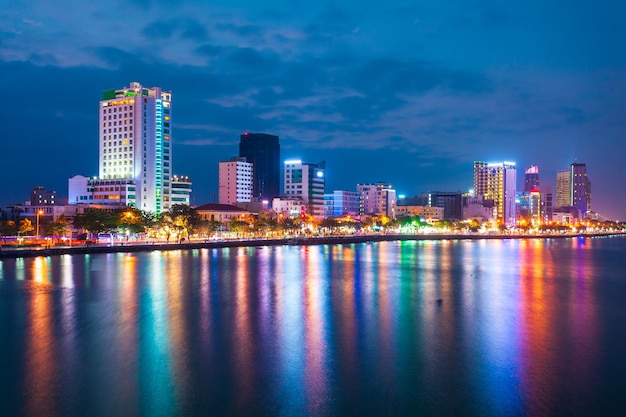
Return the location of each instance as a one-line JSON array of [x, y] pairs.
[[154, 245]]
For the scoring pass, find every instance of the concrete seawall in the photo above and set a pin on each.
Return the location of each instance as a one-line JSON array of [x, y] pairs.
[[327, 240]]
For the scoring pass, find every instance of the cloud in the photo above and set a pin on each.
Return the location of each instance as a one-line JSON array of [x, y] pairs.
[[186, 28], [31, 22]]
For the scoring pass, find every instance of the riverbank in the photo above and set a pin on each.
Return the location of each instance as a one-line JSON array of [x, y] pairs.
[[147, 246]]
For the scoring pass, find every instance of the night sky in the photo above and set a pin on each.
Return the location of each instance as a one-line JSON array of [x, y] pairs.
[[403, 92]]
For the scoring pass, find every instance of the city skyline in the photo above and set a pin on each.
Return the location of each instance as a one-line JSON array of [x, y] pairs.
[[413, 106]]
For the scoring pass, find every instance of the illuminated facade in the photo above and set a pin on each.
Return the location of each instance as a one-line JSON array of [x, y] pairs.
[[341, 203], [377, 199], [288, 207], [496, 183], [135, 152], [235, 181], [563, 186], [573, 188], [306, 182], [425, 212]]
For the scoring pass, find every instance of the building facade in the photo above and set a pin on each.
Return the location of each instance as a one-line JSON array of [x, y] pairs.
[[39, 196], [223, 213], [263, 152], [496, 182], [451, 202], [135, 151], [531, 178], [425, 212], [563, 188], [306, 182], [341, 203], [377, 199], [288, 207], [235, 181], [580, 189]]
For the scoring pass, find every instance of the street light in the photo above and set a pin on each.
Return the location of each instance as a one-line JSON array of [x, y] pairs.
[[39, 212]]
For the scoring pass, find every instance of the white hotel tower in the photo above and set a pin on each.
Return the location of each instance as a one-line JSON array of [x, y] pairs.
[[135, 153], [235, 181]]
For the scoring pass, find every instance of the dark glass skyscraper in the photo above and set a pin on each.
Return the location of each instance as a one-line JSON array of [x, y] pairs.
[[580, 188], [263, 151], [531, 178]]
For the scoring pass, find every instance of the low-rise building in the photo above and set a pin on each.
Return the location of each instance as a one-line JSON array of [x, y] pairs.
[[223, 213], [425, 212], [341, 203], [288, 207]]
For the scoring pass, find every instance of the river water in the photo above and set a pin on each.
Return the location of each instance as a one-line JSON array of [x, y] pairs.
[[452, 328]]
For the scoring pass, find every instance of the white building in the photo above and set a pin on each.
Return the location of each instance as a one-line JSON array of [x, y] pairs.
[[235, 181], [135, 151], [181, 190], [377, 199], [305, 182], [288, 207]]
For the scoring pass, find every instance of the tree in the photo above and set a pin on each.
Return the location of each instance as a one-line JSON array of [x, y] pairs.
[[26, 226], [238, 226], [96, 221], [132, 220], [8, 228], [180, 220], [208, 227], [290, 224], [58, 227]]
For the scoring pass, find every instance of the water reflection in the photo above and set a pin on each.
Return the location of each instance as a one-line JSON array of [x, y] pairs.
[[430, 328]]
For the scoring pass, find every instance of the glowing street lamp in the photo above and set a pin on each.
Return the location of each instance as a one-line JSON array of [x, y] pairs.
[[39, 212]]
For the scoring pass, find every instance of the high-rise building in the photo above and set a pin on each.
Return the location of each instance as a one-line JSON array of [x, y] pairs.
[[531, 178], [263, 151], [580, 188], [546, 203], [377, 199], [563, 188], [496, 183], [235, 181], [573, 188], [306, 182], [135, 152]]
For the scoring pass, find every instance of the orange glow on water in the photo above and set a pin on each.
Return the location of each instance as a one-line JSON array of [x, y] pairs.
[[41, 351]]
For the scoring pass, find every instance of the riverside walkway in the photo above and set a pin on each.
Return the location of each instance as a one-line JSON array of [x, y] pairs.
[[146, 245]]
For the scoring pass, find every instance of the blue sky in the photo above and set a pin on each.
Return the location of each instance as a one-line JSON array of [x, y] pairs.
[[401, 92]]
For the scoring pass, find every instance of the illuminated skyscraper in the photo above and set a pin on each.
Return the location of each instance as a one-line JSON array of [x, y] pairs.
[[135, 153], [306, 182], [496, 183], [531, 178], [377, 199], [573, 188], [263, 151]]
